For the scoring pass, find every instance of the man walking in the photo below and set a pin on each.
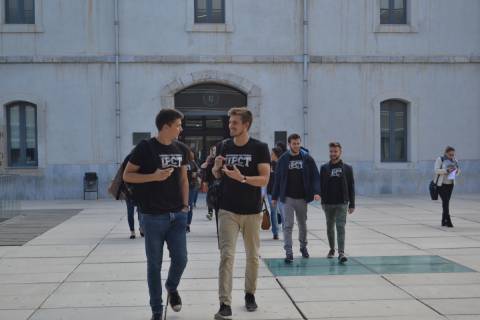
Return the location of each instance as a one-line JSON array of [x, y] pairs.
[[243, 164], [157, 172], [338, 198], [297, 183]]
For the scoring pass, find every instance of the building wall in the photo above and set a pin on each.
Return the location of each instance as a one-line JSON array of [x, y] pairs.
[[68, 70]]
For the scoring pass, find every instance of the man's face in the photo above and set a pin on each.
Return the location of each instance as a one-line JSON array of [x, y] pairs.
[[236, 126], [295, 145], [173, 130], [335, 153]]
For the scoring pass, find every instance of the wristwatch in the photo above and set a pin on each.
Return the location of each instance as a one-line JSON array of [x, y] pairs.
[[244, 180]]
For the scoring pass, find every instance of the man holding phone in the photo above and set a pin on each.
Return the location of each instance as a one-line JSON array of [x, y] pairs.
[[157, 169], [244, 165]]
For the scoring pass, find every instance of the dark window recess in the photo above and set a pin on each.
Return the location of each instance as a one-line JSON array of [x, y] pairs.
[[280, 136], [393, 11], [139, 136], [22, 134], [209, 11], [19, 11], [393, 125]]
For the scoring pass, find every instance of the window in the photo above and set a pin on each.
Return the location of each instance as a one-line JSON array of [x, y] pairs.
[[22, 134], [139, 136], [393, 11], [19, 12], [393, 126], [209, 11]]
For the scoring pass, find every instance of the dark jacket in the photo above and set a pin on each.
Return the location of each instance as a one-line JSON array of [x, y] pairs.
[[311, 177], [348, 183]]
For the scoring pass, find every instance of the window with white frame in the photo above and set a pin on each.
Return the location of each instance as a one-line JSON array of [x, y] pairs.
[[393, 128], [19, 11], [22, 144]]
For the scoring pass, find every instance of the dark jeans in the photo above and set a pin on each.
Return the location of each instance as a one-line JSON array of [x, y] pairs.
[[131, 215], [161, 228], [192, 195], [445, 193]]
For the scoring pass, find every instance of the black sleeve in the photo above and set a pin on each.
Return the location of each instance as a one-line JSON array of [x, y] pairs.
[[139, 154], [263, 154], [351, 188]]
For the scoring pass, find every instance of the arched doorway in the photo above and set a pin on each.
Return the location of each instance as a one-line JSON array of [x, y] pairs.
[[205, 107]]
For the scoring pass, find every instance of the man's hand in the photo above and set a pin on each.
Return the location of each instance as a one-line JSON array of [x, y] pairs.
[[351, 210], [234, 174], [218, 163], [316, 197], [162, 174]]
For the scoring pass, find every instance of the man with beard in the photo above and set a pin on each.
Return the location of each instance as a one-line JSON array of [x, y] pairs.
[[244, 165], [338, 198]]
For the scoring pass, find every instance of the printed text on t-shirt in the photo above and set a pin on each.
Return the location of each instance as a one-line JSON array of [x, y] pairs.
[[239, 160]]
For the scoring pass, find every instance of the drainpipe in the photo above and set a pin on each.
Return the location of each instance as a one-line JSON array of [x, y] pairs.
[[306, 60], [117, 85]]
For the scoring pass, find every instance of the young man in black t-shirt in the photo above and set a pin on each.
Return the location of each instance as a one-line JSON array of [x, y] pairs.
[[338, 198], [244, 165], [157, 171]]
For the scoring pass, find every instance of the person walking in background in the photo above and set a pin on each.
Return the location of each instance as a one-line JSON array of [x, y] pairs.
[[338, 198], [193, 174], [274, 155], [446, 169], [297, 182], [207, 174], [131, 218]]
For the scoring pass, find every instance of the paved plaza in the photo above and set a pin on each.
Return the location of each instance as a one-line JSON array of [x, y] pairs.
[[402, 265]]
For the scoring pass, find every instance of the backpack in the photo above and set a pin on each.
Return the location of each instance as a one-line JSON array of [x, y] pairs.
[[118, 188]]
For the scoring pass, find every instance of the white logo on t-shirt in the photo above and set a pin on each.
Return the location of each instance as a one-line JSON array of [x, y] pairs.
[[336, 172], [239, 160], [171, 160], [295, 165]]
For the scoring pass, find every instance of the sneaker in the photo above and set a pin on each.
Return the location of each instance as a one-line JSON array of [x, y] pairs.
[[132, 235], [141, 233], [188, 229], [275, 237], [342, 258], [289, 258], [250, 303], [225, 312], [209, 216], [175, 301], [156, 316], [331, 254], [304, 252]]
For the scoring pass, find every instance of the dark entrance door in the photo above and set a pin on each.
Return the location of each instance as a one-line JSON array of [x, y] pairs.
[[205, 107]]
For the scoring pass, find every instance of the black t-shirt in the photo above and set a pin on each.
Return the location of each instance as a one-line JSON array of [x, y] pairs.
[[237, 197], [271, 181], [295, 185], [192, 173], [160, 196], [335, 182]]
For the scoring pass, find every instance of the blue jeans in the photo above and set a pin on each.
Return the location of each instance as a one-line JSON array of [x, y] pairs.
[[131, 215], [192, 195], [273, 215], [158, 229]]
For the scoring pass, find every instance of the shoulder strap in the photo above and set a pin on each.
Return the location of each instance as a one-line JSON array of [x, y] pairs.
[[441, 165]]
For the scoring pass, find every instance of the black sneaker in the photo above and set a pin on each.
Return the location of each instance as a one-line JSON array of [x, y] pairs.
[[250, 303], [156, 316], [225, 312], [289, 258], [275, 237], [188, 229], [342, 258], [331, 254], [175, 301], [304, 252]]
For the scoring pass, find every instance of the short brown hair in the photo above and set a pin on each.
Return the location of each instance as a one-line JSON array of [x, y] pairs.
[[167, 116], [335, 145], [294, 136], [449, 148], [244, 113]]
